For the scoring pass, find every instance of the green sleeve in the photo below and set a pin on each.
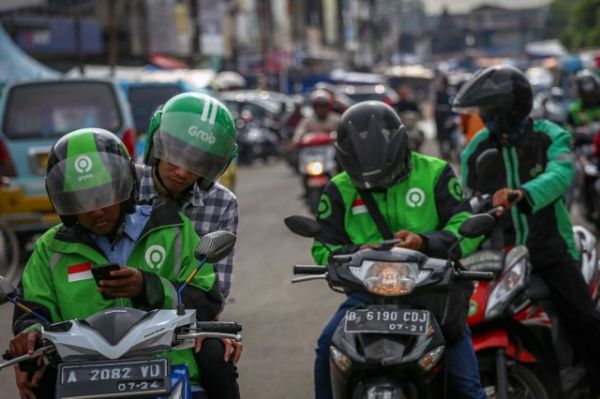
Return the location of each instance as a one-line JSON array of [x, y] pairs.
[[331, 216], [453, 210], [37, 284], [554, 182]]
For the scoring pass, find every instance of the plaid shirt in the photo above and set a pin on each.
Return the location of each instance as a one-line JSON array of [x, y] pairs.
[[215, 209]]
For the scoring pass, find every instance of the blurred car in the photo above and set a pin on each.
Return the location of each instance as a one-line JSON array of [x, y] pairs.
[[379, 92], [145, 97], [265, 110], [33, 115]]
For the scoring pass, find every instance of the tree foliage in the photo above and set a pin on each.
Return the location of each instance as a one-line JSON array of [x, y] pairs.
[[577, 20]]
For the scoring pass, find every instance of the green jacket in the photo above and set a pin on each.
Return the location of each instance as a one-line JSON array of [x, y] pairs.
[[57, 282], [540, 163], [429, 201], [578, 116]]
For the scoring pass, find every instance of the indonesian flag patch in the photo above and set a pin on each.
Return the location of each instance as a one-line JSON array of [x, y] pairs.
[[358, 207], [80, 272]]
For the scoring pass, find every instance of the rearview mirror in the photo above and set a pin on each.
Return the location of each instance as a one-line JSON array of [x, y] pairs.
[[303, 226], [215, 246], [487, 163], [477, 225], [6, 289]]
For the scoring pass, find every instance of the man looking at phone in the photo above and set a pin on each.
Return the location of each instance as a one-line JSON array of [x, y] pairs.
[[92, 185]]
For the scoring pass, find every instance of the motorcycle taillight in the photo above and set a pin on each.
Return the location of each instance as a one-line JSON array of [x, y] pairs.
[[596, 145], [128, 139], [7, 167]]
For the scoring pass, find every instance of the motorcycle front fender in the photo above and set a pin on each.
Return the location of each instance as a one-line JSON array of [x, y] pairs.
[[499, 339]]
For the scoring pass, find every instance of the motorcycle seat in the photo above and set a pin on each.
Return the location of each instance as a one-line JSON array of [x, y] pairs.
[[538, 289]]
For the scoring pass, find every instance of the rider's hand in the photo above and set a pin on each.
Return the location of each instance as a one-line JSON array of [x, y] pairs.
[[232, 348], [501, 198], [24, 384], [410, 240], [128, 283], [23, 343]]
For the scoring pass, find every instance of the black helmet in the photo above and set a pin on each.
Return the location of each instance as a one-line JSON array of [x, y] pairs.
[[588, 88], [501, 95], [372, 145], [89, 169]]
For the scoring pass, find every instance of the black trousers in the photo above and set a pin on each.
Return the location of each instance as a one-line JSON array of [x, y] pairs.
[[219, 378], [576, 311]]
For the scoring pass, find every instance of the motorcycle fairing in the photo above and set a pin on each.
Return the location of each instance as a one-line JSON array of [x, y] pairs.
[[150, 334]]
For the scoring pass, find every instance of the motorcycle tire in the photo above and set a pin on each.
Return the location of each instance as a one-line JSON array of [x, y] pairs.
[[523, 383]]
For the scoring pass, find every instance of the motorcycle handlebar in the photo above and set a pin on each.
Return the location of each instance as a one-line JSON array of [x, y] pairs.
[[221, 327], [309, 269], [474, 275]]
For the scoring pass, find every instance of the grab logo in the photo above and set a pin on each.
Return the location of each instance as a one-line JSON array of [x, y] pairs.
[[207, 137]]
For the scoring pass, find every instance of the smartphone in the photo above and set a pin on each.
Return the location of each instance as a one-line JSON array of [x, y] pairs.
[[102, 272]]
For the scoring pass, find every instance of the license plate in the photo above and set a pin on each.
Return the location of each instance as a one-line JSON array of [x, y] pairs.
[[131, 378], [387, 321]]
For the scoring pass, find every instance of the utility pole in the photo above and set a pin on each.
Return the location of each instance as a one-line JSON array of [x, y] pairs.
[[196, 49], [112, 36]]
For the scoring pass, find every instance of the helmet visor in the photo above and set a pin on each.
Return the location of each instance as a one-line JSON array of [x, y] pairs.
[[89, 181], [194, 143]]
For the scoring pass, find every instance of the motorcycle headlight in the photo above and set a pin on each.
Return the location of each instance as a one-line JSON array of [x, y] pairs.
[[510, 282], [314, 168], [590, 169], [390, 279]]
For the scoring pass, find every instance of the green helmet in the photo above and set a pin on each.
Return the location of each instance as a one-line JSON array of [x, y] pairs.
[[195, 132], [89, 169]]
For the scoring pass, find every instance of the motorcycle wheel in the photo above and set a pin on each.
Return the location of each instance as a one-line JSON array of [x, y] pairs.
[[522, 382], [10, 253]]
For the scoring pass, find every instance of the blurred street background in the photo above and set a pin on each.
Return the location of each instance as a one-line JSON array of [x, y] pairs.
[[68, 64]]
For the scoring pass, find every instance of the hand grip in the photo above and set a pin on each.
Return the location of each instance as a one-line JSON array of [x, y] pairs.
[[222, 327], [475, 275], [512, 197], [7, 355], [304, 269]]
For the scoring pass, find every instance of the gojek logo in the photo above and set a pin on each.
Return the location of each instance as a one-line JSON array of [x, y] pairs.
[[207, 137], [155, 256], [83, 164], [415, 197]]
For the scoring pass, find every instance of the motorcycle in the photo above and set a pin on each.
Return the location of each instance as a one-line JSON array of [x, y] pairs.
[[519, 341], [255, 140], [316, 166], [587, 173], [393, 345], [117, 352]]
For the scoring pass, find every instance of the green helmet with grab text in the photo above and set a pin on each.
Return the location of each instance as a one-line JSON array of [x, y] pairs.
[[193, 131]]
